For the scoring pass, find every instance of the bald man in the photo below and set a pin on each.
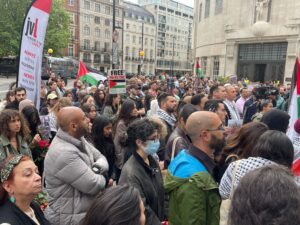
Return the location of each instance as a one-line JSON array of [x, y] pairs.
[[190, 182], [73, 169]]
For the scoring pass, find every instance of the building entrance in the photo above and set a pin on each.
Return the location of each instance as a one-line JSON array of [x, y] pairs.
[[262, 62]]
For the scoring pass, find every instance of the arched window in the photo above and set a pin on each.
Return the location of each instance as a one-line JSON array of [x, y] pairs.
[[86, 30]]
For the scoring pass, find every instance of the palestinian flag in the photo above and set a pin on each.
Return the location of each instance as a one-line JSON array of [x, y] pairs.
[[199, 72], [294, 112], [84, 75]]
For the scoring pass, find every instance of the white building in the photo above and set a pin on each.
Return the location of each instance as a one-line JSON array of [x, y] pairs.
[[174, 22], [95, 35], [139, 34], [258, 39]]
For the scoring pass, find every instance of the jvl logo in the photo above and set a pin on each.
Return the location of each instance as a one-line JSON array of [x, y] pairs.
[[31, 28]]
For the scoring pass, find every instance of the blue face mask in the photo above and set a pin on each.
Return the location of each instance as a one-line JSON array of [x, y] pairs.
[[152, 147]]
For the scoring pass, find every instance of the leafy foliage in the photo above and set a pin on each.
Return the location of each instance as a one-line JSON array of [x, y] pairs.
[[11, 23]]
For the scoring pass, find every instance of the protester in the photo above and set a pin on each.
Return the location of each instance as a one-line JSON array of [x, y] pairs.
[[128, 113], [99, 97], [74, 169], [239, 145], [268, 195], [190, 182], [88, 99], [273, 147], [264, 106], [142, 170], [20, 183], [218, 107], [90, 111], [179, 140], [20, 94], [199, 101], [241, 101], [13, 133], [111, 106], [9, 97], [118, 205], [103, 141], [276, 119]]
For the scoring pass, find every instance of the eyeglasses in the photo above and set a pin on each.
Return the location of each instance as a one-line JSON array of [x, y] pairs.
[[221, 128]]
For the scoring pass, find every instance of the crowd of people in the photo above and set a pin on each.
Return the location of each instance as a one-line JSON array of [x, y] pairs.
[[181, 151]]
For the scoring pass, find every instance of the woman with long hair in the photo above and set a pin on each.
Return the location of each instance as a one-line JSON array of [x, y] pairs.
[[102, 140], [240, 145], [99, 97], [111, 106], [120, 205], [88, 99], [127, 114], [9, 97], [90, 111], [142, 170], [13, 133], [20, 183]]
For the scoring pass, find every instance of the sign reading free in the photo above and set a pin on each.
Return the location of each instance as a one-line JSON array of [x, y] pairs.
[[117, 81]]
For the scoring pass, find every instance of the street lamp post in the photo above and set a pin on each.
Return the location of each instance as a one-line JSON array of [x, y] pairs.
[[141, 52]]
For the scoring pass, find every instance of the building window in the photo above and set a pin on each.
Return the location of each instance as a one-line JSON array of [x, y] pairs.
[[200, 12], [146, 41], [97, 7], [97, 20], [86, 31], [97, 32], [127, 38], [86, 44], [219, 6], [72, 33], [204, 65], [107, 22], [140, 40], [127, 51], [71, 2], [86, 18], [151, 53], [70, 50], [127, 26], [133, 52], [133, 39], [207, 8], [72, 16], [97, 46], [86, 57], [107, 10], [107, 34], [216, 67], [87, 5], [152, 42], [106, 46], [96, 58]]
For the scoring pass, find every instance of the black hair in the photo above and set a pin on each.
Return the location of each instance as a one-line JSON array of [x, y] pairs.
[[18, 89], [162, 98], [31, 115], [186, 111], [196, 99], [139, 129], [213, 89], [125, 111], [119, 205], [212, 105], [268, 195], [109, 101], [275, 146]]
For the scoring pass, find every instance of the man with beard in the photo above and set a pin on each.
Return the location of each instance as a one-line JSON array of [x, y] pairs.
[[20, 94], [190, 182], [73, 169], [167, 106]]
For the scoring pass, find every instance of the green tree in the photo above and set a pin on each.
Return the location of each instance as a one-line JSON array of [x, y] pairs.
[[58, 31], [11, 23]]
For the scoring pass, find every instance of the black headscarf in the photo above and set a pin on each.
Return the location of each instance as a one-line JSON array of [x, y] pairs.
[[276, 120]]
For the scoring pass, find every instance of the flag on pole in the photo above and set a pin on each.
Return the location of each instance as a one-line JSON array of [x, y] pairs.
[[294, 112], [198, 69], [31, 48], [84, 75]]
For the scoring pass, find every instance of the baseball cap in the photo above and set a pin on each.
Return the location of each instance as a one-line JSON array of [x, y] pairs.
[[52, 96]]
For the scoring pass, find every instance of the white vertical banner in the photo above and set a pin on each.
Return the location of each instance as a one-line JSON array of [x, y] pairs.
[[31, 48]]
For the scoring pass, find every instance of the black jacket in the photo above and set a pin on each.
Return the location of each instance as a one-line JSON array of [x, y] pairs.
[[11, 214], [148, 180]]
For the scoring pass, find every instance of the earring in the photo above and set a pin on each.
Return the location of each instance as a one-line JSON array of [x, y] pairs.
[[12, 199]]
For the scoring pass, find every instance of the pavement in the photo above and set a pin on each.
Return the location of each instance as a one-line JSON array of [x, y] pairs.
[[6, 82]]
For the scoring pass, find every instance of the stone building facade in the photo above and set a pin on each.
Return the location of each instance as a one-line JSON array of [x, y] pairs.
[[257, 39], [174, 23], [139, 34]]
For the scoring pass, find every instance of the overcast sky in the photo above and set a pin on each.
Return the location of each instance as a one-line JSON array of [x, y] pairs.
[[186, 2]]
